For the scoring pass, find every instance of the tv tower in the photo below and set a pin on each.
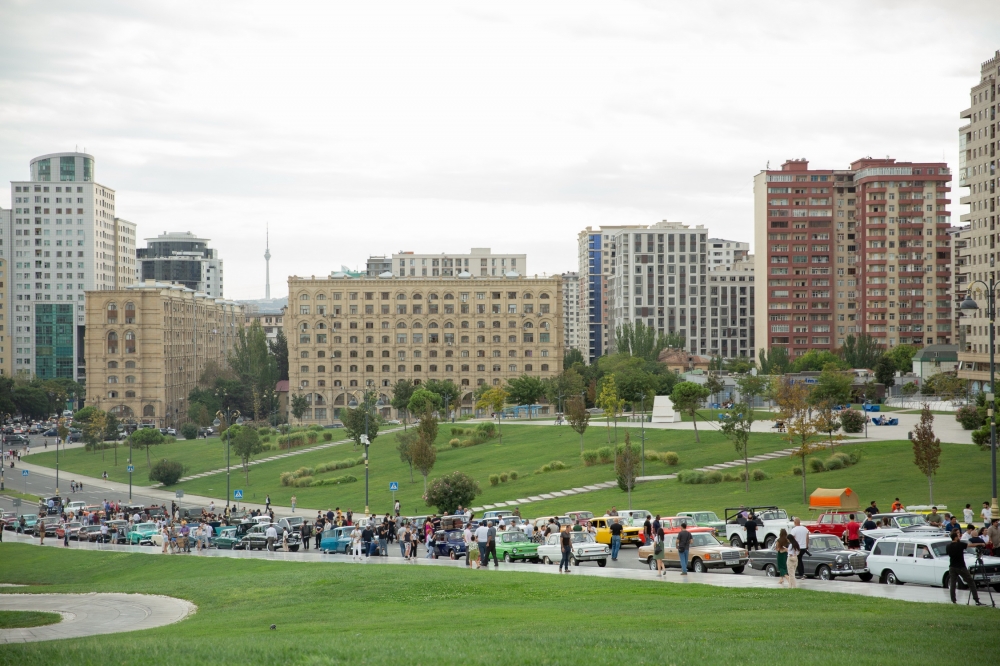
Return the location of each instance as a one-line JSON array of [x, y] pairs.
[[267, 264]]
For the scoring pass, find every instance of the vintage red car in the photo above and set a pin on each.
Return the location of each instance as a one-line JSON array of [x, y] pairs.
[[835, 522]]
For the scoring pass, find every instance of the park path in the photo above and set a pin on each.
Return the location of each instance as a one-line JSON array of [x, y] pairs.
[[92, 614]]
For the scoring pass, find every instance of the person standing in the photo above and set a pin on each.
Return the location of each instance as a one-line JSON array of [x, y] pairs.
[[355, 544], [482, 538], [402, 538], [41, 532], [271, 535], [658, 547], [751, 528], [395, 507], [305, 532], [267, 503], [801, 535], [957, 567], [565, 548], [794, 553], [968, 514], [683, 547], [616, 539], [781, 547], [647, 530], [491, 547], [467, 538], [294, 499], [382, 533], [853, 534], [986, 513]]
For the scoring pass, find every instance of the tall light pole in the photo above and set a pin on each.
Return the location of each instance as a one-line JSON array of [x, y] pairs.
[[366, 398], [228, 415], [969, 306], [642, 427]]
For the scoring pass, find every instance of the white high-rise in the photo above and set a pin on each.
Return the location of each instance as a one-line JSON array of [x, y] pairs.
[[572, 326], [66, 240]]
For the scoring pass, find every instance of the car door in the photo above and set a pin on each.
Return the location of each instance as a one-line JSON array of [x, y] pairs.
[[906, 569], [926, 569], [671, 558]]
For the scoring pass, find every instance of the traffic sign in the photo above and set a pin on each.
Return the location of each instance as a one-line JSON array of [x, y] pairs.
[[237, 494], [179, 494], [24, 472], [131, 468], [393, 486], [17, 501]]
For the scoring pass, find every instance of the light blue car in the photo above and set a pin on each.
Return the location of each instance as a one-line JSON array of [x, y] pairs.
[[336, 540]]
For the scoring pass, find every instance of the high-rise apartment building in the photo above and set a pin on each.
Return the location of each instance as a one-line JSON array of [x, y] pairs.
[[66, 240], [845, 252], [731, 308], [724, 252], [378, 265], [348, 334], [479, 262], [5, 347], [977, 172], [571, 311], [182, 257]]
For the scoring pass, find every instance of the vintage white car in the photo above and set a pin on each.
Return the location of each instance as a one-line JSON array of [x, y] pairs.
[[585, 549], [894, 524], [922, 559], [634, 517]]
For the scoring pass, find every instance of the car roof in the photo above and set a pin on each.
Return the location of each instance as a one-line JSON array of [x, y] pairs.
[[917, 538]]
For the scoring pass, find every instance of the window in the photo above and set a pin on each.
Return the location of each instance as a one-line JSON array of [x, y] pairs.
[[112, 379], [545, 367], [129, 379], [112, 364], [130, 313], [112, 343], [512, 367], [112, 312]]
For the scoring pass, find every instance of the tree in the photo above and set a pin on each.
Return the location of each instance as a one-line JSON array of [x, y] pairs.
[[902, 356], [885, 371], [828, 421], [926, 448], [525, 390], [640, 340], [449, 394], [862, 351], [775, 362], [423, 400], [279, 349], [572, 357], [793, 402], [714, 384], [449, 492], [833, 387], [612, 405], [245, 443], [145, 438], [94, 429], [739, 421], [675, 340], [635, 386], [166, 472], [578, 416], [257, 368], [626, 463], [401, 394], [189, 430], [422, 451], [355, 425], [493, 399], [565, 384], [816, 359], [688, 397], [299, 406], [405, 441]]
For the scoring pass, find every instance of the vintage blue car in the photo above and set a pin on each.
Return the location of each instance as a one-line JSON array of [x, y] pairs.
[[449, 543], [336, 540]]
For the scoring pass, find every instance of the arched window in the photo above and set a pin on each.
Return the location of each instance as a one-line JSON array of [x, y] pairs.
[[149, 410], [129, 342], [432, 296], [112, 379], [481, 368], [385, 341], [303, 297], [544, 294], [129, 394], [130, 379], [129, 312], [432, 368], [112, 343], [112, 313], [337, 354], [353, 353], [512, 353], [320, 297], [401, 368], [512, 368], [385, 353], [369, 368], [112, 364], [401, 324], [369, 339], [304, 326], [320, 368], [417, 324], [353, 340], [465, 368], [354, 382], [336, 382], [369, 354], [527, 367], [337, 368], [353, 368], [400, 296], [496, 368], [321, 326], [433, 324], [527, 294], [465, 324], [416, 368], [385, 368], [130, 364], [417, 296], [449, 324], [112, 394], [449, 296], [545, 367], [528, 324]]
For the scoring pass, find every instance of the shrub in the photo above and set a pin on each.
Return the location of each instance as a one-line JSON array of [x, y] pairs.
[[190, 431], [833, 463], [714, 476], [981, 437], [333, 481], [816, 465], [543, 469], [670, 458], [503, 477], [487, 430], [690, 476], [455, 432], [455, 442], [468, 442], [796, 471], [315, 427], [970, 417], [606, 454], [166, 472], [844, 458], [652, 456], [513, 475], [589, 457], [759, 475], [855, 457], [557, 465], [265, 438], [851, 420], [494, 479], [312, 436], [449, 492], [327, 436], [732, 477]]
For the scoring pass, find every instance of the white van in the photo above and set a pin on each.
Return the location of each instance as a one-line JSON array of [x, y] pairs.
[[922, 560]]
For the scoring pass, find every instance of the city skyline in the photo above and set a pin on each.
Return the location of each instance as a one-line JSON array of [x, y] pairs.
[[349, 126]]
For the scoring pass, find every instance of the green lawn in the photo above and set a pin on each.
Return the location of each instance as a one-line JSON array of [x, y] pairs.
[[384, 614], [26, 497], [20, 619], [885, 472]]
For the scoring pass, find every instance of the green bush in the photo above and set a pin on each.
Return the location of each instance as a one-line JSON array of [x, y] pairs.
[[503, 477], [606, 454], [334, 481], [715, 476], [816, 465], [760, 475], [670, 458], [166, 472], [557, 465], [844, 458], [797, 471], [487, 430], [851, 420], [327, 436], [970, 417], [832, 464], [455, 432], [513, 476], [691, 476], [265, 439], [589, 457], [855, 457], [543, 469], [732, 477], [455, 442], [312, 436], [190, 431], [494, 479], [652, 456], [981, 437]]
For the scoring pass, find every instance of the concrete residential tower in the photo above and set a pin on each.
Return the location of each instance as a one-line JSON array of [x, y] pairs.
[[183, 258]]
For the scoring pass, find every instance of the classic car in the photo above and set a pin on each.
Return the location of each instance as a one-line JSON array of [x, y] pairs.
[[634, 517], [922, 559], [74, 507], [580, 515], [585, 549], [89, 533], [226, 539], [515, 545], [673, 524], [706, 552], [28, 525], [770, 521], [495, 516], [895, 524], [704, 519], [826, 559], [630, 535], [540, 523], [7, 520], [450, 543], [72, 528], [117, 531], [336, 540], [51, 525], [142, 534], [156, 512], [293, 523], [256, 538], [835, 522], [94, 508]]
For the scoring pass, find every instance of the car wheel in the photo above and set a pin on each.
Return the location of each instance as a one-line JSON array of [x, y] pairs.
[[698, 566], [738, 570], [771, 571], [824, 573], [294, 549], [891, 578], [865, 577], [736, 542], [574, 562], [546, 560], [452, 555], [651, 563], [602, 563], [769, 541], [506, 558]]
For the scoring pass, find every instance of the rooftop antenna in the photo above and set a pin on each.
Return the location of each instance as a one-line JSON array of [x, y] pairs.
[[267, 262]]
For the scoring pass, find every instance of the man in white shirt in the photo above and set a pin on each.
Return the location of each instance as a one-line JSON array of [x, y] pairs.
[[272, 536], [482, 538], [801, 535], [467, 538], [986, 513], [529, 530], [355, 544]]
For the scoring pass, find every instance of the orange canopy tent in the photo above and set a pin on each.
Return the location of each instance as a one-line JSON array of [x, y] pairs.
[[834, 498]]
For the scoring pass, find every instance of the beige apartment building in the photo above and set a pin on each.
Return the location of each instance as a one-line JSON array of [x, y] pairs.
[[346, 334], [148, 344], [977, 172]]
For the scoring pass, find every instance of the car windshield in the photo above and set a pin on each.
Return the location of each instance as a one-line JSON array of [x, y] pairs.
[[582, 537], [702, 539], [706, 517], [910, 520], [30, 516], [145, 527], [940, 548], [824, 543], [514, 537], [294, 521]]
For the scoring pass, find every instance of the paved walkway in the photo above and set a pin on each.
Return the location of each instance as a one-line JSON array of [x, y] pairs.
[[914, 593], [92, 614]]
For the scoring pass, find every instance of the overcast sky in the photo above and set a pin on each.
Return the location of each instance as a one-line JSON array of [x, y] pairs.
[[370, 128]]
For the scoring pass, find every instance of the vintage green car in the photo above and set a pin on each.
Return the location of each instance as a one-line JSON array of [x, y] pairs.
[[515, 545], [142, 534], [227, 539], [705, 519]]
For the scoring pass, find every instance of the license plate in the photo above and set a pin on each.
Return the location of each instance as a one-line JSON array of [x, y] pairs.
[[732, 563]]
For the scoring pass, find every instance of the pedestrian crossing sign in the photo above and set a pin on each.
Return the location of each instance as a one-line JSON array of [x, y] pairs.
[[237, 494], [393, 486]]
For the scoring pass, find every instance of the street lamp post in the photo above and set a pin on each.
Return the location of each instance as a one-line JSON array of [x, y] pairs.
[[366, 398], [642, 427], [968, 306], [228, 415]]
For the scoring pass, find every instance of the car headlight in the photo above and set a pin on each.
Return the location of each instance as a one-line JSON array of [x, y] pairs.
[[840, 558], [708, 556], [513, 550], [743, 553], [579, 551]]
